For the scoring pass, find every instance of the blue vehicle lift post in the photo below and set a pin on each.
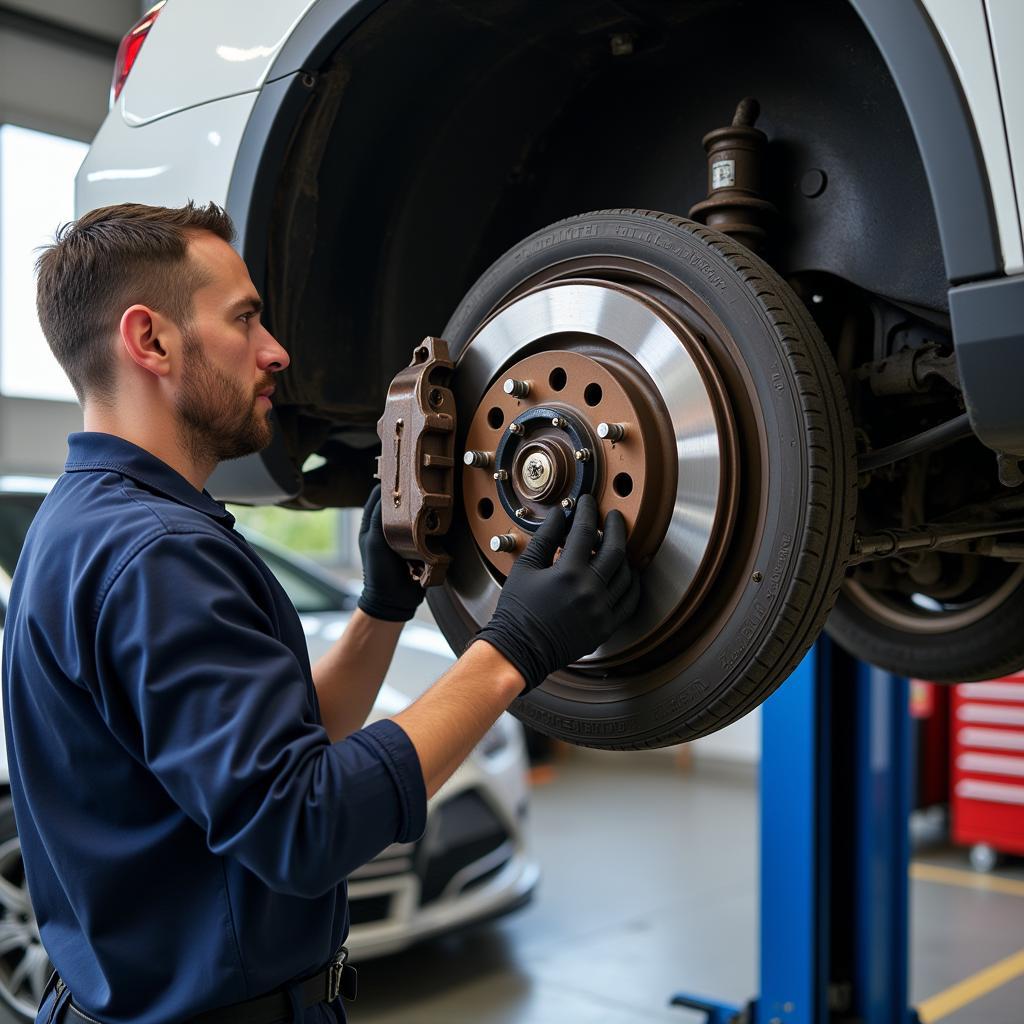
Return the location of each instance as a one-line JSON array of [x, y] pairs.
[[836, 788]]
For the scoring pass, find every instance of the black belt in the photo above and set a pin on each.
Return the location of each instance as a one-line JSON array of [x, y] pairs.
[[337, 978]]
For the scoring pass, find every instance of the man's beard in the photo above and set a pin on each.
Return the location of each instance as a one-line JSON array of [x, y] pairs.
[[217, 418]]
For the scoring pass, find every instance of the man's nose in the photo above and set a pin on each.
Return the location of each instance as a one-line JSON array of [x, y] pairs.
[[273, 355]]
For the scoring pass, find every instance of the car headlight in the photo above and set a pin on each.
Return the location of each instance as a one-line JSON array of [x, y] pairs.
[[495, 740]]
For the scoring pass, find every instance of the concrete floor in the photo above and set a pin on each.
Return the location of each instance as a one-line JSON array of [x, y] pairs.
[[650, 887]]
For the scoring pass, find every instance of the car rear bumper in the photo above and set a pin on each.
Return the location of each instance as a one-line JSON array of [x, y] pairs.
[[988, 333]]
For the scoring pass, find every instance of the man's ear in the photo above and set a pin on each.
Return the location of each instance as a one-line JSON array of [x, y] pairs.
[[144, 335]]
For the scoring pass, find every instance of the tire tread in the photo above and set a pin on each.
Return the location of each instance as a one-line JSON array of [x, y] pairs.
[[832, 487]]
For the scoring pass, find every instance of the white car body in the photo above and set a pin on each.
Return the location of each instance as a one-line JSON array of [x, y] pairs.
[[172, 137]]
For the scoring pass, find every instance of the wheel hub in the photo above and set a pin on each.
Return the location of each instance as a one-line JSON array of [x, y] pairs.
[[537, 465], [537, 471]]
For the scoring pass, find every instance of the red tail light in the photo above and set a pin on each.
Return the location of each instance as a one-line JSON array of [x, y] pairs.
[[129, 49]]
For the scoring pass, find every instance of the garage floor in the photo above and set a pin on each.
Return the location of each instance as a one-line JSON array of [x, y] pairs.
[[650, 887]]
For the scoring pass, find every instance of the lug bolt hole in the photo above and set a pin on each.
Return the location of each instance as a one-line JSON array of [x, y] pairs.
[[592, 394], [436, 398], [495, 418], [432, 521], [622, 485], [557, 378], [485, 508]]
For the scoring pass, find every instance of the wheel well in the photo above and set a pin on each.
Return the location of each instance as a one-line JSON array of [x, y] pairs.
[[436, 136]]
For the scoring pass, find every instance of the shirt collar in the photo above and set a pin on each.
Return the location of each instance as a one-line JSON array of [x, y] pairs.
[[89, 449]]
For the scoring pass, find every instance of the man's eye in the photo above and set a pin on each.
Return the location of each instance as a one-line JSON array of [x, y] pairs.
[[247, 316]]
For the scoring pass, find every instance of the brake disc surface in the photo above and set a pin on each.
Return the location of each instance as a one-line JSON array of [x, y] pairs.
[[555, 370]]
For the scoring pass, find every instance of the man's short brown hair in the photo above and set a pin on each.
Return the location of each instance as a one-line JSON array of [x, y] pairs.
[[107, 260]]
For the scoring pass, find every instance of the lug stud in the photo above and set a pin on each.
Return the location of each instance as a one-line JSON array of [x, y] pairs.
[[611, 431], [558, 421], [582, 454], [520, 513], [516, 428], [479, 460], [503, 542], [568, 504], [502, 474], [516, 388]]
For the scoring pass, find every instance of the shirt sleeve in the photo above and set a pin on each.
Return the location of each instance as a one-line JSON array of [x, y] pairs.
[[195, 683]]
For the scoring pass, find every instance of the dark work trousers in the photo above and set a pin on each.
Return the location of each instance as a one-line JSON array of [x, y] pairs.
[[321, 1013]]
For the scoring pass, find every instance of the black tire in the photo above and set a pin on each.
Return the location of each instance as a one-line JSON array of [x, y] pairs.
[[987, 648], [14, 1004], [783, 593]]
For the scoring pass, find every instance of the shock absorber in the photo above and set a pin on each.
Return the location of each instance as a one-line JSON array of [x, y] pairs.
[[734, 204]]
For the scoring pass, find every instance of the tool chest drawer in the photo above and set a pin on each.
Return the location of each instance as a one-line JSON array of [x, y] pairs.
[[987, 751]]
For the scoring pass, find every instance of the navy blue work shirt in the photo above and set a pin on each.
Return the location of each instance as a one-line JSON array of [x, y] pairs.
[[186, 823]]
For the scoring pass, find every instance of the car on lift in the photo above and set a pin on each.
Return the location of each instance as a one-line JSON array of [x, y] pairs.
[[471, 864], [791, 358]]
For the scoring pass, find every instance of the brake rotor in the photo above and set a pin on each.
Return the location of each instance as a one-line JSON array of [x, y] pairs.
[[596, 386]]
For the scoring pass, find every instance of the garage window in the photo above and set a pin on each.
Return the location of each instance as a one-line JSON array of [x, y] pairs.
[[37, 187]]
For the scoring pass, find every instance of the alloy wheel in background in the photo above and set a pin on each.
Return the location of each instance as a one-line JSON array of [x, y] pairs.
[[24, 966], [966, 631]]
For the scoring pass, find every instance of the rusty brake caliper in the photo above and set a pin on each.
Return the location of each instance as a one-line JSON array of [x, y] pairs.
[[416, 466]]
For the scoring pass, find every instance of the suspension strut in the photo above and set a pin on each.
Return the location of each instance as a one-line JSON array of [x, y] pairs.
[[734, 204]]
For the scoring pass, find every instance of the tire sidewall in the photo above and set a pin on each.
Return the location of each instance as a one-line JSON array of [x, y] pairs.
[[700, 268]]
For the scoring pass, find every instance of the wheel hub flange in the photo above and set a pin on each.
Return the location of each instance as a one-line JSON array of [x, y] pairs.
[[540, 470]]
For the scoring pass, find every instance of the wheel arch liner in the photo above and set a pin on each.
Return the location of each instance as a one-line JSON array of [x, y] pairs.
[[946, 139], [275, 115], [254, 178], [987, 315]]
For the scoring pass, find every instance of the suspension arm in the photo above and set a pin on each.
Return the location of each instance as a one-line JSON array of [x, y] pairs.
[[886, 543], [945, 433]]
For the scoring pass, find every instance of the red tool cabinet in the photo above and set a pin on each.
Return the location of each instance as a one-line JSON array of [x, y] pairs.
[[987, 751]]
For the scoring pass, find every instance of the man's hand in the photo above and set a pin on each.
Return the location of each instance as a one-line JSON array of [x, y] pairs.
[[549, 615], [389, 591]]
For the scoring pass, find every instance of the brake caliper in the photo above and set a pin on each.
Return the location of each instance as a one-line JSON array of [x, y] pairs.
[[416, 464]]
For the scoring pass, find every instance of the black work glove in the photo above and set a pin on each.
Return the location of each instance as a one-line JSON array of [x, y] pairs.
[[550, 615], [389, 591]]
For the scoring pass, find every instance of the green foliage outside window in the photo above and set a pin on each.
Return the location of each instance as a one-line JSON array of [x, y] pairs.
[[314, 534]]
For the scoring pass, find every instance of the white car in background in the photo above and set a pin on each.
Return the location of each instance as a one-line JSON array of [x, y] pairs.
[[471, 864]]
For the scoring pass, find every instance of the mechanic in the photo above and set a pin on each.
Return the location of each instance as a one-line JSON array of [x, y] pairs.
[[189, 792]]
